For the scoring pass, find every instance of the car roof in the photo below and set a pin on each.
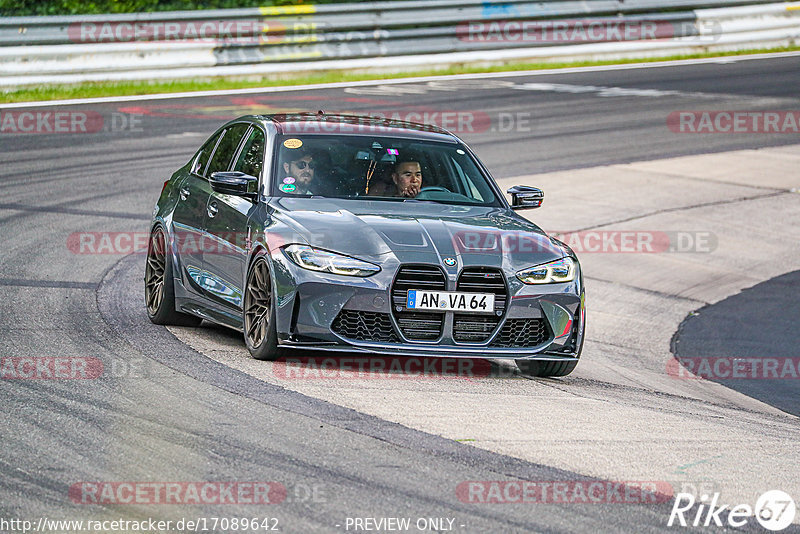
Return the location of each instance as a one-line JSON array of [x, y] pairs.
[[324, 124]]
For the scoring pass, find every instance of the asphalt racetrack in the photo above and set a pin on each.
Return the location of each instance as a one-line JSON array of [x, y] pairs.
[[188, 406]]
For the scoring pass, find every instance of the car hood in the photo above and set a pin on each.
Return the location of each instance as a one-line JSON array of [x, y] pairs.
[[418, 232]]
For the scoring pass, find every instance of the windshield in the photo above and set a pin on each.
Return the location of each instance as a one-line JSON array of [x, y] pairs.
[[379, 168]]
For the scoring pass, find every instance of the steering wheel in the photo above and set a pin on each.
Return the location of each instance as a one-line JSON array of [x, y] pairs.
[[434, 188]]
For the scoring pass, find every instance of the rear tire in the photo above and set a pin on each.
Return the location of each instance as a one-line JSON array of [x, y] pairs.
[[260, 330], [159, 285], [545, 368]]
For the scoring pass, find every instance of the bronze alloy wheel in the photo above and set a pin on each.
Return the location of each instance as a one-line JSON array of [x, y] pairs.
[[154, 272], [257, 304]]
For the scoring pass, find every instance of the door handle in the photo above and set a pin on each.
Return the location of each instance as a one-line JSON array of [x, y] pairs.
[[212, 209], [184, 193]]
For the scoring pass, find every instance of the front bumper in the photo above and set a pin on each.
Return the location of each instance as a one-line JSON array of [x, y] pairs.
[[308, 304], [440, 351]]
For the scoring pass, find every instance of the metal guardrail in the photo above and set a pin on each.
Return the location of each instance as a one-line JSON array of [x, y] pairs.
[[184, 43], [365, 17]]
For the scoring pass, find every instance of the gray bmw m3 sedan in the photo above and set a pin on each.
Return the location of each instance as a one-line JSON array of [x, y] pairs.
[[363, 235]]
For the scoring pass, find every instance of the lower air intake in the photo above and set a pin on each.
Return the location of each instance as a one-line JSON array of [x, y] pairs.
[[518, 333], [365, 326]]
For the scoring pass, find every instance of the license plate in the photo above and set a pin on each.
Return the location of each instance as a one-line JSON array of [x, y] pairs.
[[418, 299]]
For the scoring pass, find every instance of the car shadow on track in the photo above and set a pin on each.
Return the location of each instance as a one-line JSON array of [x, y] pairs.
[[300, 363]]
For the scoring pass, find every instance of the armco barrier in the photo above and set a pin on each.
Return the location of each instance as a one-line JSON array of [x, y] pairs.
[[257, 41]]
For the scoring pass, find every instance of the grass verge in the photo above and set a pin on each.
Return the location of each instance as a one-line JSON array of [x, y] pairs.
[[106, 89]]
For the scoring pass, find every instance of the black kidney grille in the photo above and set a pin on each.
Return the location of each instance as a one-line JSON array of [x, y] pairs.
[[422, 326], [365, 326], [471, 328], [522, 333]]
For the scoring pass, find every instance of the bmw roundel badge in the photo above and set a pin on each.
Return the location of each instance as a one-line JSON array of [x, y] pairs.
[[449, 262]]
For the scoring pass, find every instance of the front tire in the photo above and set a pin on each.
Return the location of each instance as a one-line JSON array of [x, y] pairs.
[[159, 285], [260, 331], [545, 368]]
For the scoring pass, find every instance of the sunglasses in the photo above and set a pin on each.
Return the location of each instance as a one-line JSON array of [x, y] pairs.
[[301, 164]]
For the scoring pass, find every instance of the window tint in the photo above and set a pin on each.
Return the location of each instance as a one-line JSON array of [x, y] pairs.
[[227, 148], [381, 168], [252, 156], [202, 157]]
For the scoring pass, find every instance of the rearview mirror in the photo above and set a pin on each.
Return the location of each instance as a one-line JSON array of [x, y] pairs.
[[234, 183], [525, 197]]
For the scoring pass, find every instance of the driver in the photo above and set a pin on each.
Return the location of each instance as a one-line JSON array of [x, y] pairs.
[[407, 178], [299, 172]]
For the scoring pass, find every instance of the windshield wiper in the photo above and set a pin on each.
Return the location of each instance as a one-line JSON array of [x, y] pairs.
[[379, 199], [420, 200]]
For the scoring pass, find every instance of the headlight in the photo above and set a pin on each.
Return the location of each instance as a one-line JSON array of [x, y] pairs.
[[328, 262], [562, 270]]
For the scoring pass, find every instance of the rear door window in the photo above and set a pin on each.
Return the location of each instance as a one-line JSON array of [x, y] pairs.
[[221, 160]]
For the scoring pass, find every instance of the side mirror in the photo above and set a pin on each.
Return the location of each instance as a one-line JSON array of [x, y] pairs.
[[525, 197], [234, 183]]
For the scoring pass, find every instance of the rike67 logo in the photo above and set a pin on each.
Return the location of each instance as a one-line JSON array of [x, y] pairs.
[[774, 510]]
